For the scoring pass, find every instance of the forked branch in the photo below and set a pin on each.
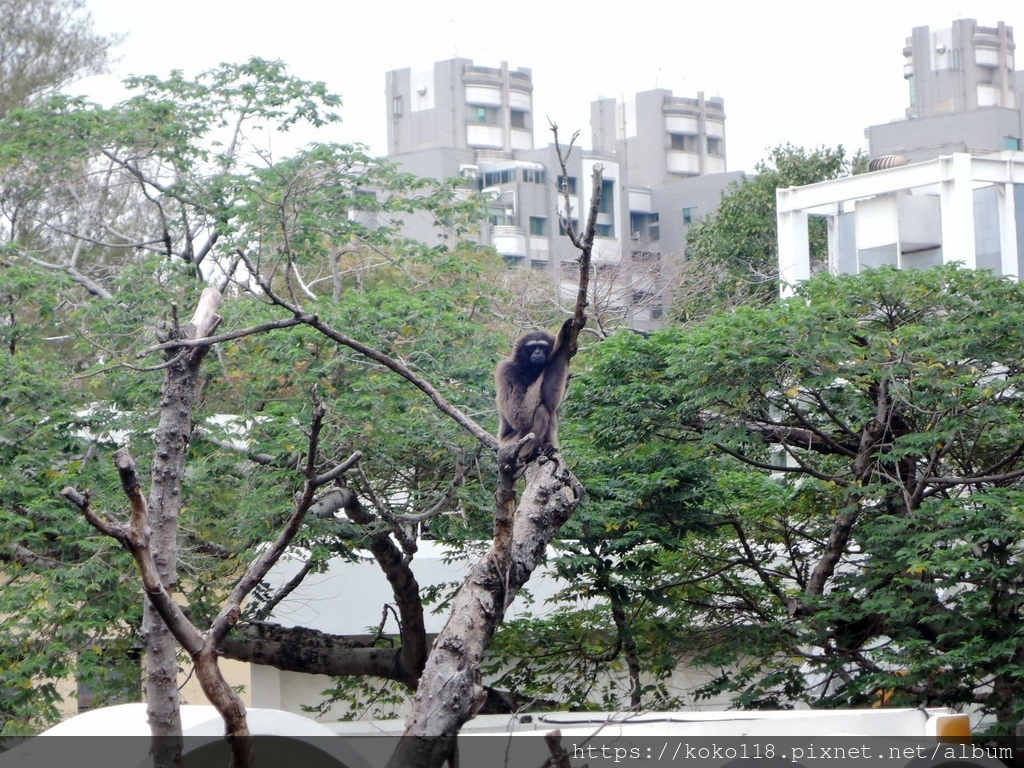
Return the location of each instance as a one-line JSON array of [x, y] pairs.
[[585, 241]]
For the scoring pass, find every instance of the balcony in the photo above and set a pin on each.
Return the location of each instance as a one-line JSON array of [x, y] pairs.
[[682, 124], [520, 78], [485, 136], [687, 163], [509, 241], [522, 139], [714, 165], [484, 95], [520, 100]]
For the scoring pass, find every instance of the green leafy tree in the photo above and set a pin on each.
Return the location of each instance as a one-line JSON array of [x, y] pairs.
[[737, 245], [44, 46], [866, 448], [319, 398], [607, 639], [116, 218]]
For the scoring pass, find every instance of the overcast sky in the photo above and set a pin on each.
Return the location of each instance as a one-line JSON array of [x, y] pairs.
[[808, 73]]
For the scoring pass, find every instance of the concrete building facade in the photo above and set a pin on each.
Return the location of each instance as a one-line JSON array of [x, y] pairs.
[[326, 601], [662, 138], [956, 208], [459, 105], [952, 184], [964, 94], [663, 159], [959, 69]]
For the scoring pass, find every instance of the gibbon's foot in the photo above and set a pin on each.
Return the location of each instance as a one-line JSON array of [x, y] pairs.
[[547, 452]]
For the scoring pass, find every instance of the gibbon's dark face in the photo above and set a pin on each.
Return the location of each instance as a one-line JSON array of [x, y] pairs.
[[538, 352]]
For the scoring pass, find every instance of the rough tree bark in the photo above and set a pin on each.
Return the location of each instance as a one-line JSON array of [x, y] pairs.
[[450, 690], [202, 647], [151, 538], [177, 403], [306, 650]]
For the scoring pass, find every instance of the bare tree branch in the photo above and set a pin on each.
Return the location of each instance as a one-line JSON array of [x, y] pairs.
[[90, 285], [452, 673], [392, 561], [290, 586], [259, 568], [450, 690], [19, 554], [135, 539]]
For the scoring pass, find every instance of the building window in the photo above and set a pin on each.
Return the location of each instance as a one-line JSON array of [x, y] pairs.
[[683, 143], [607, 204], [518, 118], [485, 115], [1011, 142], [604, 230], [688, 215], [494, 178], [561, 225], [538, 225], [396, 106], [714, 146], [644, 225], [567, 181], [535, 175], [499, 216]]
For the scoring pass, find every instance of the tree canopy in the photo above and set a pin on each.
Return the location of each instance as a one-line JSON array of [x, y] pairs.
[[115, 219], [737, 244], [819, 498], [44, 46], [325, 396], [867, 463]]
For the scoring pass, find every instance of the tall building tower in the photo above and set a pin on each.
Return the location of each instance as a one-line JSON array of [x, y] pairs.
[[960, 69], [662, 138], [964, 95], [663, 168], [457, 105]]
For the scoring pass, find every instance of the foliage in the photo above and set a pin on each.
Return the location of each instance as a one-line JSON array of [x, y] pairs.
[[867, 486], [44, 46], [115, 220], [361, 698], [738, 243], [607, 636]]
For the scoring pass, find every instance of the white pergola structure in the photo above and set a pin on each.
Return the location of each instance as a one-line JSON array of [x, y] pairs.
[[956, 208]]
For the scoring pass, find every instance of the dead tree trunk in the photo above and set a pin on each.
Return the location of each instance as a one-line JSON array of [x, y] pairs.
[[451, 690], [203, 646]]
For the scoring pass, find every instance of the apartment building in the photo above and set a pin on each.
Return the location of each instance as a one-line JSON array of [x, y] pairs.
[[959, 69], [662, 138], [663, 161], [459, 105], [964, 94]]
